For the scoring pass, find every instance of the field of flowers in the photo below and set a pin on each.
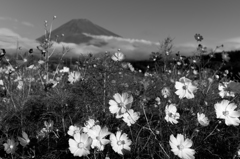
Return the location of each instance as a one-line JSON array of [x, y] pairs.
[[104, 108]]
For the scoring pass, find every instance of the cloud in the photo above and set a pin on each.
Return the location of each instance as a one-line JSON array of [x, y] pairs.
[[15, 20], [8, 18], [134, 49], [232, 44], [4, 18], [10, 40], [140, 49], [27, 24]]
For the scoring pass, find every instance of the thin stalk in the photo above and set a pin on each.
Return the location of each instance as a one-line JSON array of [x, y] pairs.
[[149, 128], [104, 91]]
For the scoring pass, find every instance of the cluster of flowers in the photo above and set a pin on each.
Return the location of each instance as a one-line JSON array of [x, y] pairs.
[[121, 107], [30, 75], [224, 110], [11, 145], [93, 136]]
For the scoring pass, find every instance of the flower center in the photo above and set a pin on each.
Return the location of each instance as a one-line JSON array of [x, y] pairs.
[[11, 146], [170, 115], [184, 87], [121, 142], [80, 145], [121, 104], [225, 113], [98, 138], [180, 147]]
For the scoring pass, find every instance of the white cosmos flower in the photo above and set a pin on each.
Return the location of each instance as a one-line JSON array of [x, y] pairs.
[[89, 124], [118, 56], [31, 67], [64, 70], [73, 130], [130, 117], [20, 85], [181, 147], [165, 92], [80, 146], [223, 88], [185, 88], [74, 77], [40, 62], [120, 142], [98, 135], [171, 114], [120, 104], [238, 152], [225, 110], [24, 140], [1, 82], [202, 119]]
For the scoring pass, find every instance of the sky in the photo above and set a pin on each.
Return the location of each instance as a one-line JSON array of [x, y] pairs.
[[149, 21]]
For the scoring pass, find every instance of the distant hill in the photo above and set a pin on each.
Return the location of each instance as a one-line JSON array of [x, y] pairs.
[[74, 29]]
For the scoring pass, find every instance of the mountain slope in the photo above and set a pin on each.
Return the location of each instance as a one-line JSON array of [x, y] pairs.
[[74, 29]]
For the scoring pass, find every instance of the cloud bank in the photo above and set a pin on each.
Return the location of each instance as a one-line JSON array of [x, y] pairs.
[[232, 43], [11, 40], [27, 24], [15, 20], [134, 49]]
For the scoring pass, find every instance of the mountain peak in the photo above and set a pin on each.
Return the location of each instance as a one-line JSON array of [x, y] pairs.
[[73, 31], [83, 20]]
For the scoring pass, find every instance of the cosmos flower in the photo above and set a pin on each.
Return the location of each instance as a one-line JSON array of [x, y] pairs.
[[89, 125], [80, 146], [40, 62], [1, 82], [120, 142], [225, 56], [73, 130], [225, 110], [98, 135], [48, 125], [9, 69], [224, 92], [158, 100], [171, 114], [165, 92], [64, 70], [181, 147], [198, 37], [20, 85], [238, 153], [202, 119], [32, 67], [11, 146], [185, 88], [120, 104], [118, 56], [74, 77], [130, 117], [24, 140], [130, 66]]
